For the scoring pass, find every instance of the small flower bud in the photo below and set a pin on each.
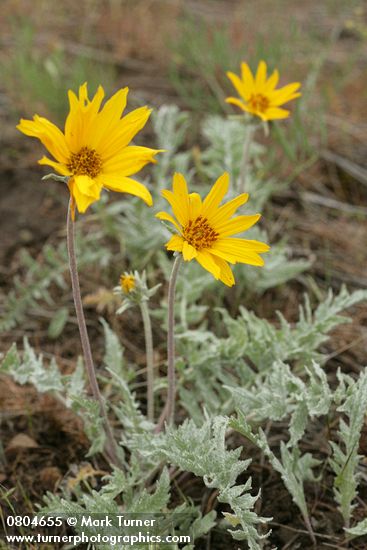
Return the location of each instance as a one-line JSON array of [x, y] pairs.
[[133, 289], [127, 282]]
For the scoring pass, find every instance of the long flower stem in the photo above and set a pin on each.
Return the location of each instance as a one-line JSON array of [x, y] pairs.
[[245, 162], [111, 446], [169, 410], [150, 357]]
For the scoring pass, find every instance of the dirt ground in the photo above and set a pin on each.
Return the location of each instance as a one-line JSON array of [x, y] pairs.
[[324, 212]]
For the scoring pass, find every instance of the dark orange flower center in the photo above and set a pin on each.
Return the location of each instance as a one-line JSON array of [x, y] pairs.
[[85, 163], [199, 234], [259, 102]]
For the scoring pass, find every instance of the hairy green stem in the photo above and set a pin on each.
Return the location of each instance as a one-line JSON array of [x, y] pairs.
[[245, 161], [150, 357], [169, 410], [111, 446]]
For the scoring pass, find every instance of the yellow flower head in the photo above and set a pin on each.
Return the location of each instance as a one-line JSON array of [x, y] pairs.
[[205, 229], [93, 150], [127, 282], [258, 94]]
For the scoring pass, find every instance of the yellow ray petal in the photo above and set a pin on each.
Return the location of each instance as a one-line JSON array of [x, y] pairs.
[[124, 132], [237, 102], [122, 184], [168, 218], [89, 116], [225, 255], [179, 187], [280, 96], [88, 186], [247, 77], [239, 85], [179, 211], [206, 260], [85, 191], [215, 195], [260, 78], [95, 104], [244, 106], [227, 210], [83, 95], [74, 124], [109, 118], [275, 102], [239, 250], [274, 113], [195, 205], [131, 160], [80, 123], [175, 243], [272, 81], [49, 135], [249, 257], [226, 275], [188, 251], [237, 225], [250, 244], [237, 245], [60, 168]]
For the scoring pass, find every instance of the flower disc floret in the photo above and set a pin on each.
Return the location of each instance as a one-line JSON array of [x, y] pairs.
[[85, 163], [199, 234], [205, 228], [259, 102]]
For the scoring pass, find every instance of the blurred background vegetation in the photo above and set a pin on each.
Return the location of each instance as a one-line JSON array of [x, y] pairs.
[[178, 51]]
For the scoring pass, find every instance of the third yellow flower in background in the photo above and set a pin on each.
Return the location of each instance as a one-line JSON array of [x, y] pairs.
[[258, 94]]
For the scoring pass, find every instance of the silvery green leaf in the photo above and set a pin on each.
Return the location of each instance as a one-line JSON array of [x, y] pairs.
[[74, 384], [202, 451], [114, 353], [298, 423], [358, 530], [89, 410], [28, 368], [58, 322], [203, 524], [319, 395], [11, 361], [345, 458], [126, 304]]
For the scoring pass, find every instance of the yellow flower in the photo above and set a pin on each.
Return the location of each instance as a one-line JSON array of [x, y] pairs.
[[93, 151], [127, 282], [205, 229], [258, 94]]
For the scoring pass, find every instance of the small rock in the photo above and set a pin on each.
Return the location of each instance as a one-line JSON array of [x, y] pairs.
[[21, 441]]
